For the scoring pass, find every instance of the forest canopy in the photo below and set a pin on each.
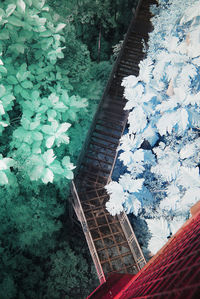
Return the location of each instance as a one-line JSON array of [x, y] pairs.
[[52, 75], [160, 150]]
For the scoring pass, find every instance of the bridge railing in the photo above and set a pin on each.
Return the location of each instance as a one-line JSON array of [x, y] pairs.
[[105, 93], [132, 241], [81, 217]]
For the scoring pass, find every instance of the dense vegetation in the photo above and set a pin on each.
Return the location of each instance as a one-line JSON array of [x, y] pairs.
[[55, 57], [160, 149]]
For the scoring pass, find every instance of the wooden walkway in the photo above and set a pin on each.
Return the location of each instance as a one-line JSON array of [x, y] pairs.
[[111, 240]]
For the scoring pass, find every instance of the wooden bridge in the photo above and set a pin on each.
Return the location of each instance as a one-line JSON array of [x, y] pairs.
[[111, 240]]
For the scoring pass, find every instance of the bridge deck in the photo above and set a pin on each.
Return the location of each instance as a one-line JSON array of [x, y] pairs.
[[111, 240]]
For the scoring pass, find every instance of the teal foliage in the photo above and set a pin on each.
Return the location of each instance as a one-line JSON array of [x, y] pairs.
[[63, 262], [92, 18], [50, 86]]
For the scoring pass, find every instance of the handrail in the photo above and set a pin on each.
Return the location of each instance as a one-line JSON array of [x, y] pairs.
[[117, 61], [130, 236], [81, 217]]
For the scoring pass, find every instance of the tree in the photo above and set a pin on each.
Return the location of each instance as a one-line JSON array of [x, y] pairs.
[[49, 89], [161, 148]]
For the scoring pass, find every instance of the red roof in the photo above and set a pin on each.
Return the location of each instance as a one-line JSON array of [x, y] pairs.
[[174, 272]]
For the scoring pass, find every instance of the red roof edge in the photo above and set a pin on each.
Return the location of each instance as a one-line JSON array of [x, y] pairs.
[[195, 211], [109, 289]]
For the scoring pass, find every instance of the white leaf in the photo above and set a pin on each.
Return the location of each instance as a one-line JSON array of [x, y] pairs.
[[167, 105], [160, 231], [130, 184], [130, 81], [191, 13], [60, 27], [50, 141], [188, 151], [190, 197], [146, 67], [137, 120], [63, 128], [3, 165], [2, 111], [126, 157], [62, 139], [67, 164], [49, 156], [176, 224], [3, 179], [10, 9], [21, 5], [48, 176], [166, 123], [36, 172], [189, 177]]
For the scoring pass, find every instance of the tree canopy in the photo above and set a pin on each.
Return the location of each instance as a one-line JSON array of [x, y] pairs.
[[51, 81], [161, 147]]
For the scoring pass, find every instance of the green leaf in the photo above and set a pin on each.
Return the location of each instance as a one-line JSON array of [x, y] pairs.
[[29, 2], [25, 94], [56, 167], [46, 33], [36, 172], [69, 174], [19, 47], [8, 98], [15, 21], [47, 129], [21, 76], [12, 80], [37, 136], [2, 90], [10, 9], [27, 84], [35, 95], [4, 35], [21, 6], [3, 70], [2, 13], [38, 4]]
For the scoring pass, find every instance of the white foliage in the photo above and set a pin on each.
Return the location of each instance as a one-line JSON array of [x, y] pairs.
[[169, 120], [193, 99], [176, 224], [164, 99], [133, 95], [190, 13], [151, 135], [117, 198], [189, 177], [190, 197], [130, 184], [170, 203], [146, 67], [130, 142], [126, 157], [130, 81], [189, 150], [159, 229], [167, 168], [137, 120], [167, 105]]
